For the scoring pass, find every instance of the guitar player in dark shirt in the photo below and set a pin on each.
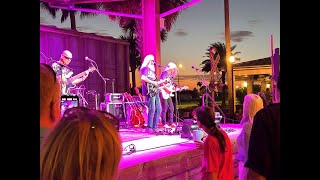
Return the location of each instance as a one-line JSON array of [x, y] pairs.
[[64, 72], [150, 89]]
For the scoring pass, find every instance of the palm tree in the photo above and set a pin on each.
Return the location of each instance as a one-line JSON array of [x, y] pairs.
[[135, 56], [71, 13], [222, 65]]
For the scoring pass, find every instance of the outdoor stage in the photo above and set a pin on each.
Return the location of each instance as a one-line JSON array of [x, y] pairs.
[[165, 156]]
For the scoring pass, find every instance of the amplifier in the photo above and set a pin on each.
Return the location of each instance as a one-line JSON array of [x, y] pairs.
[[114, 97], [116, 109]]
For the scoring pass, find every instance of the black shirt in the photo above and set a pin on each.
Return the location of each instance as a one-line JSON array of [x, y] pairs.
[[264, 145]]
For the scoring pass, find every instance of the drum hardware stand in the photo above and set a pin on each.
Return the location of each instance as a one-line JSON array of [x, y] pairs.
[[112, 94], [96, 95], [81, 97]]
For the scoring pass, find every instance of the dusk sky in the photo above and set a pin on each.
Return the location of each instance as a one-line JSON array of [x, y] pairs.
[[251, 24]]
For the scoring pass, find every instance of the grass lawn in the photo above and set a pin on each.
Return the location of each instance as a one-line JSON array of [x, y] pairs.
[[190, 104]]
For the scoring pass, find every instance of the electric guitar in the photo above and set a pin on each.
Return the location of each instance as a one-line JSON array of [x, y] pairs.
[[169, 90], [69, 84], [153, 89]]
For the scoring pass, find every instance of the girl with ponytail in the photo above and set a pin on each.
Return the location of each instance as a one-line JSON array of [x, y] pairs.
[[217, 160]]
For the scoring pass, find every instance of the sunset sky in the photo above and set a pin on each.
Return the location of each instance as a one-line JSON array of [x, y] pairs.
[[251, 24]]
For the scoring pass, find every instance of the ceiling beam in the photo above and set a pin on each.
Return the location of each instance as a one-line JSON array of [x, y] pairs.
[[70, 8], [179, 8], [69, 5]]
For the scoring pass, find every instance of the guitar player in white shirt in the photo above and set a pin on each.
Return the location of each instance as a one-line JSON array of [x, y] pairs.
[[169, 72]]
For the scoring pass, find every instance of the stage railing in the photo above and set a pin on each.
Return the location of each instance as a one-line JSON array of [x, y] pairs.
[[203, 104]]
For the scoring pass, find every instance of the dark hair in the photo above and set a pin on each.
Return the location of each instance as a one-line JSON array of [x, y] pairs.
[[206, 117]]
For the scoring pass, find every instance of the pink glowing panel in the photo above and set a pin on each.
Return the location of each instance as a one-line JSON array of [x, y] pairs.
[[156, 147]]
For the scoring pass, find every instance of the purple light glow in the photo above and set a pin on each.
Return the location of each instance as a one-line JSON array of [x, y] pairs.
[[161, 146]]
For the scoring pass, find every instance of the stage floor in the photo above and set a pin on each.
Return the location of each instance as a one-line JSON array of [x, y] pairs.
[[146, 155]]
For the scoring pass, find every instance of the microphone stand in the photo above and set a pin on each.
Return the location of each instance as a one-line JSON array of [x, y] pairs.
[[204, 83], [103, 78], [113, 110]]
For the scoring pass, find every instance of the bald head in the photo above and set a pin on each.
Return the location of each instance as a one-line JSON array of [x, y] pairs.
[[66, 57], [67, 53]]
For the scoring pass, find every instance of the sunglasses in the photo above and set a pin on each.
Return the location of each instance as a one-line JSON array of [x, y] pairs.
[[67, 57], [92, 115]]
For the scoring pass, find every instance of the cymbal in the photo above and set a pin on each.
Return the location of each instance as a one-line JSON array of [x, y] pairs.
[[77, 88]]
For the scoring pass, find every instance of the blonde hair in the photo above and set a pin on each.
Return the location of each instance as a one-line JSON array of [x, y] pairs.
[[84, 145], [49, 92], [251, 105]]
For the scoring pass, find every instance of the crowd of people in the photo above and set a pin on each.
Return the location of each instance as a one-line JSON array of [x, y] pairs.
[[92, 135]]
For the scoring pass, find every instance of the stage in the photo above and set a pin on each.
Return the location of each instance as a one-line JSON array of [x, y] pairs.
[[164, 156]]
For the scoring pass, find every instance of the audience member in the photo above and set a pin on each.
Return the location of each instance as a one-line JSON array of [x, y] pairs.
[[217, 160], [264, 146], [49, 99], [251, 105], [264, 98], [84, 145]]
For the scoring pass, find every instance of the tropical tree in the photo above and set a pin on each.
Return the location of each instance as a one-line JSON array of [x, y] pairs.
[[70, 13], [222, 65], [134, 54]]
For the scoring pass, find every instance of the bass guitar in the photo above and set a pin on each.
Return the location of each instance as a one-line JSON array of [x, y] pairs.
[[70, 82]]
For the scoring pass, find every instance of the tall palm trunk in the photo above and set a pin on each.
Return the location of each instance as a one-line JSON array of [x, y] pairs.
[[133, 73], [224, 89], [73, 20]]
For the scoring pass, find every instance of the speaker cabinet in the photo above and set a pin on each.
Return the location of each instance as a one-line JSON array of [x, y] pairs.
[[115, 108]]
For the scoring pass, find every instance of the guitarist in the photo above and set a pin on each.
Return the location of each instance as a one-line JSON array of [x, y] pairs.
[[64, 72], [150, 91], [169, 72]]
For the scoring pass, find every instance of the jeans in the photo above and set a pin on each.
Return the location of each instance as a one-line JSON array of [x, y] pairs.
[[167, 106], [154, 107]]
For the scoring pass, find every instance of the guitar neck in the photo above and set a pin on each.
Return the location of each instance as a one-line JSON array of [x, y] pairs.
[[131, 101], [76, 76]]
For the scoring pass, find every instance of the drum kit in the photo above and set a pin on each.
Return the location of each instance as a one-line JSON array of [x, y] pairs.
[[80, 92]]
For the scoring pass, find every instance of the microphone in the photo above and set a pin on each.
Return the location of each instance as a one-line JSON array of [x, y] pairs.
[[88, 59], [194, 68], [159, 65]]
